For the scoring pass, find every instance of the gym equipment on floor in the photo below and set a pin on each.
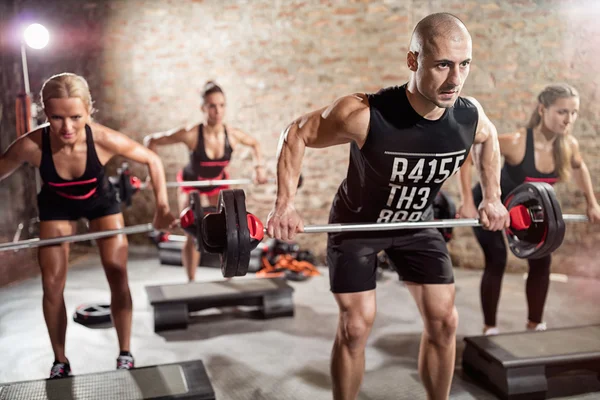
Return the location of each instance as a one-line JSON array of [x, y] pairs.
[[517, 365], [185, 380], [174, 303]]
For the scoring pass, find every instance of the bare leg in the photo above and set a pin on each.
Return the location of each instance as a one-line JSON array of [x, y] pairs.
[[113, 253], [438, 343], [53, 262], [357, 314]]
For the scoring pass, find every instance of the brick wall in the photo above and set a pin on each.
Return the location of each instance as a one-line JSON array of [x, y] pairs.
[[16, 195], [146, 62]]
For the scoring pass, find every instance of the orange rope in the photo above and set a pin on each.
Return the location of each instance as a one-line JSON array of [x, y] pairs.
[[287, 262]]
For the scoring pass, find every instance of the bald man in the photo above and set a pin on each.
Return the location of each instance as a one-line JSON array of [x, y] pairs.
[[405, 141]]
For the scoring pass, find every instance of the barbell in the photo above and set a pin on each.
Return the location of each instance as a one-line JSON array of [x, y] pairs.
[[37, 242], [537, 225], [128, 184]]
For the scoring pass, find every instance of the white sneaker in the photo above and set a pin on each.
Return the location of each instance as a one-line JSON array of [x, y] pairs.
[[491, 331], [538, 328]]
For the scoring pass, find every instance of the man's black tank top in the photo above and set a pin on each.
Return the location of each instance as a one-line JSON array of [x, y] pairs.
[[404, 161], [514, 175], [92, 184], [203, 167]]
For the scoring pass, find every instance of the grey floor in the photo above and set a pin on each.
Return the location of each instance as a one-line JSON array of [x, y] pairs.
[[286, 358]]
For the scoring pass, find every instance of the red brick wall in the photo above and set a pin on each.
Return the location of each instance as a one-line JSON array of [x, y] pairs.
[[146, 62], [16, 194], [277, 61]]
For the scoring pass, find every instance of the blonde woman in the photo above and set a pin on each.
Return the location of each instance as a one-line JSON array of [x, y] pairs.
[[544, 151], [70, 152]]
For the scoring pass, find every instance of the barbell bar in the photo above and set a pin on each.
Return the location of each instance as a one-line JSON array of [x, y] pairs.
[[37, 242], [390, 226], [212, 182], [536, 227]]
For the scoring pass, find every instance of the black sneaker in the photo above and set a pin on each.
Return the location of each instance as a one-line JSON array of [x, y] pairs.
[[60, 370], [125, 361]]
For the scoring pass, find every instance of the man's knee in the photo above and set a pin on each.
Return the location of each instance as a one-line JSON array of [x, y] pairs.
[[441, 329], [355, 328]]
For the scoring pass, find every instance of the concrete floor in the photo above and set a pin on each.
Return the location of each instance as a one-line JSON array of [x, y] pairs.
[[285, 358]]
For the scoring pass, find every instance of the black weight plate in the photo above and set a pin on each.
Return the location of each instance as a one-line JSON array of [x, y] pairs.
[[558, 217], [92, 314], [245, 247], [230, 255], [531, 243]]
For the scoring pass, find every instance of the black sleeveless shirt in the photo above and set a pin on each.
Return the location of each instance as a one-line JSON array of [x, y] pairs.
[[404, 161], [92, 184], [514, 175], [203, 167]]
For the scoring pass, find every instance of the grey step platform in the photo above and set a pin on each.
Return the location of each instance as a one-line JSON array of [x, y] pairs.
[[517, 365], [174, 303], [186, 380]]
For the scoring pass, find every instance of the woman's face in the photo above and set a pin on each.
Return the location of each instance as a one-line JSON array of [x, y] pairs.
[[214, 107], [560, 116], [67, 118]]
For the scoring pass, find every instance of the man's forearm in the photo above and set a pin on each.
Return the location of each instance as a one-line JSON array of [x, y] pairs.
[[464, 181], [487, 161], [289, 163]]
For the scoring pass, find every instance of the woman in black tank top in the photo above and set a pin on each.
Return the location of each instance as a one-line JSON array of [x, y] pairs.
[[211, 145], [545, 151], [70, 152]]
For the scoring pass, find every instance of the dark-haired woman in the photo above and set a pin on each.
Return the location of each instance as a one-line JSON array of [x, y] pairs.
[[211, 144]]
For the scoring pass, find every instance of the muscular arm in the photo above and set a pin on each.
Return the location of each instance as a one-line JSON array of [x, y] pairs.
[[177, 135], [464, 181], [486, 156], [22, 150], [114, 143], [344, 121], [509, 148], [582, 175]]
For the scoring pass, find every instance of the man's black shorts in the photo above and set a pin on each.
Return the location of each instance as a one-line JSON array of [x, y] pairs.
[[419, 255]]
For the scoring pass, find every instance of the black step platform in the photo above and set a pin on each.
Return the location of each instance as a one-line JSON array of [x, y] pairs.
[[186, 380], [174, 303], [169, 253], [517, 365]]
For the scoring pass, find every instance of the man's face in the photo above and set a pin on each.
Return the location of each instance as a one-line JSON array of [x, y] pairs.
[[442, 69]]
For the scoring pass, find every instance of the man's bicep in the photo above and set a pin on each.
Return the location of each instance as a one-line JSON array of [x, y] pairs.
[[315, 129], [485, 129], [346, 120]]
